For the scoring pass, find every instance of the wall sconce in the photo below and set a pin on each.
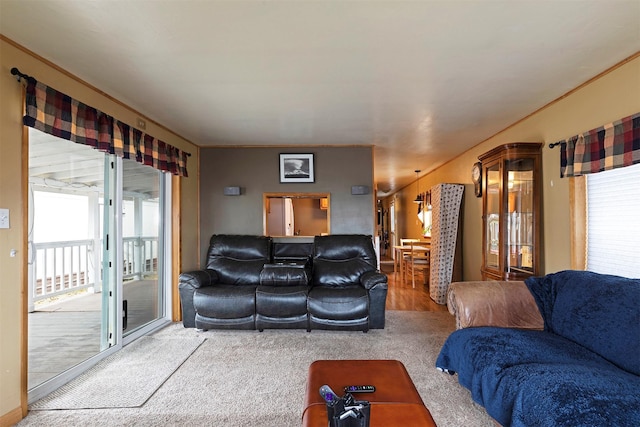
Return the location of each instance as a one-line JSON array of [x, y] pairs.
[[231, 191], [359, 190]]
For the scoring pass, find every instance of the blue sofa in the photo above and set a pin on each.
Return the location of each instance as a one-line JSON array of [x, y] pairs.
[[583, 369]]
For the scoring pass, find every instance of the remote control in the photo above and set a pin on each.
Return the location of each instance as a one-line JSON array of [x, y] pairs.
[[359, 389], [328, 395]]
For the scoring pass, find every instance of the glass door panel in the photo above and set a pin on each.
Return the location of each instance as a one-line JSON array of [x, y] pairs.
[[142, 233], [70, 313], [519, 241]]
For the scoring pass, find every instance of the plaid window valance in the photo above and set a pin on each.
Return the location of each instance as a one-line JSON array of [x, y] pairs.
[[611, 146], [57, 114]]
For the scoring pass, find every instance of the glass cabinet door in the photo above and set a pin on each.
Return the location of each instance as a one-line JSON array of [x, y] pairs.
[[492, 223], [519, 221], [512, 195]]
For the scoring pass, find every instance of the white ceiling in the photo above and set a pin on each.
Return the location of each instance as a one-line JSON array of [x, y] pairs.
[[421, 81]]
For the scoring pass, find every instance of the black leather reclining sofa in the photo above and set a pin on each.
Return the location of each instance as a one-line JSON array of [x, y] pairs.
[[251, 282]]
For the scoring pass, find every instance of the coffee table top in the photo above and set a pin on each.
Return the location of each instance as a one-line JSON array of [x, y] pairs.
[[395, 400]]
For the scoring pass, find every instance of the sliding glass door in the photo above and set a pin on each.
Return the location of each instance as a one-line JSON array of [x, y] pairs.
[[96, 264], [142, 239], [71, 284]]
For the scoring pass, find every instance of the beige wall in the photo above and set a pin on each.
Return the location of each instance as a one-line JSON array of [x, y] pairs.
[[12, 190], [611, 97]]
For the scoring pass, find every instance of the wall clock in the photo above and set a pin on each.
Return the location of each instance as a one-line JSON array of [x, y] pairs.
[[476, 177]]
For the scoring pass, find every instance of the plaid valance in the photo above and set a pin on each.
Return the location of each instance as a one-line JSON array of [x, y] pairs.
[[611, 146], [57, 114]]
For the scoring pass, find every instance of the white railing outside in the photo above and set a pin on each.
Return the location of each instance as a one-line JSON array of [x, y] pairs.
[[63, 267], [140, 257]]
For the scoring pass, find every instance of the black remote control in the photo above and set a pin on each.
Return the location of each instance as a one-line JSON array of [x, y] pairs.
[[359, 389]]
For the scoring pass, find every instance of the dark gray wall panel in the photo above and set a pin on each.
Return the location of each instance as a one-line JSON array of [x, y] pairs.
[[256, 171]]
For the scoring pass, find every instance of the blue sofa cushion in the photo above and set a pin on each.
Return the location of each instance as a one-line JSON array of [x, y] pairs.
[[537, 378], [600, 312], [569, 395]]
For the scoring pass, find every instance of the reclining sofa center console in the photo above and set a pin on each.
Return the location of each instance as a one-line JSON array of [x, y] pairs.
[[252, 282]]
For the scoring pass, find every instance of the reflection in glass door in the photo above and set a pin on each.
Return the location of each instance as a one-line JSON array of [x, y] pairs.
[[142, 235]]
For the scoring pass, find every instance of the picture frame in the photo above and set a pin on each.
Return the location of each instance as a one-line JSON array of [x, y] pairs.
[[296, 168]]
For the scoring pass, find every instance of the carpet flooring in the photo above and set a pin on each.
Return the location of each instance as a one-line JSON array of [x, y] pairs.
[[126, 379], [248, 378]]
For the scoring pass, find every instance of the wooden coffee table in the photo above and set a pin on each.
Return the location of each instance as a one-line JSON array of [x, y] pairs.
[[395, 402]]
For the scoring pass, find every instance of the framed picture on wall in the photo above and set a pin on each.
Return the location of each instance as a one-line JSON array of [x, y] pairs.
[[296, 168]]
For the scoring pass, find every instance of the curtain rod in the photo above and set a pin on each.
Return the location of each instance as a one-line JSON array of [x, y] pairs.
[[19, 75], [555, 143]]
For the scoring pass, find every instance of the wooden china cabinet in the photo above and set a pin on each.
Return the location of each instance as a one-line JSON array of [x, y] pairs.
[[511, 221]]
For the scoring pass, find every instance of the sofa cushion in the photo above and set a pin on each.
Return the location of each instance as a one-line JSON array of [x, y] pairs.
[[340, 260], [598, 311], [568, 395], [537, 378], [238, 259], [225, 301], [346, 303], [344, 247], [281, 301], [338, 274]]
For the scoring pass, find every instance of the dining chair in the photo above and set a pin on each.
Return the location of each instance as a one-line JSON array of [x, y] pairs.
[[417, 260], [404, 255], [404, 242]]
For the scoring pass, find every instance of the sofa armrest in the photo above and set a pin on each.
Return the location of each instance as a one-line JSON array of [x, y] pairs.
[[503, 304], [376, 285], [372, 278], [188, 282], [198, 278]]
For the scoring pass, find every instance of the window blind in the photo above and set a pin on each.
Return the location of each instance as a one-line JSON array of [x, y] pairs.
[[613, 222]]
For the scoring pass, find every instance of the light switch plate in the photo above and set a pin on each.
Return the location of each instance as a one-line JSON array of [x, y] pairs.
[[4, 218]]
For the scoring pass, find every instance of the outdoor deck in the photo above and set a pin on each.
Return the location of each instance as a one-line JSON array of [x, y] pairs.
[[67, 332]]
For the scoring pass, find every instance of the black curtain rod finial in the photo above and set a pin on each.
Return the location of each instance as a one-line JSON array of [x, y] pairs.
[[19, 75], [16, 72], [554, 144]]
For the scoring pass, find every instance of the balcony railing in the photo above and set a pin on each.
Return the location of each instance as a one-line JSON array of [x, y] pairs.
[[140, 257], [63, 267]]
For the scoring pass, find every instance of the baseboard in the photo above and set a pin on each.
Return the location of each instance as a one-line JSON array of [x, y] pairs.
[[11, 417]]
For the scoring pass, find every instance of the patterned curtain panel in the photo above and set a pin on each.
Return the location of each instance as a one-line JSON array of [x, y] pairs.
[[446, 200], [611, 146], [57, 114]]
